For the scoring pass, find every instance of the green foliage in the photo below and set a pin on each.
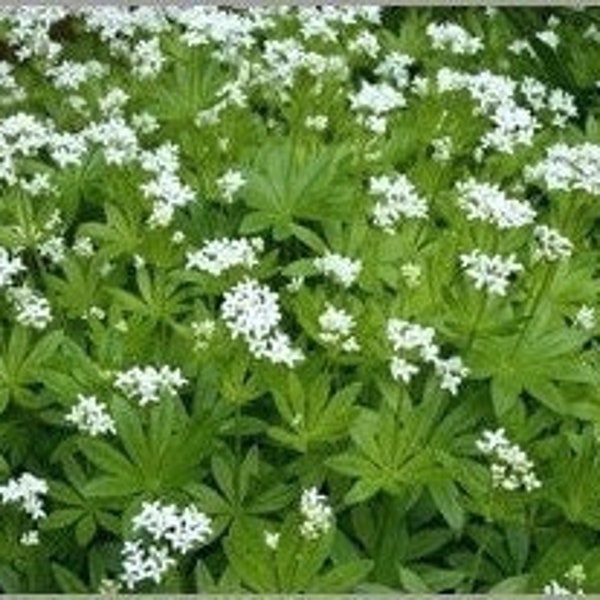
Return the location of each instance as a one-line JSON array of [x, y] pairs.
[[132, 146]]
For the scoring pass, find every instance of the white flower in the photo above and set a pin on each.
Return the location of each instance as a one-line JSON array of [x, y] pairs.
[[252, 312], [550, 245], [316, 122], [147, 59], [148, 384], [569, 168], [10, 267], [141, 563], [452, 37], [399, 199], [91, 417], [272, 539], [395, 66], [33, 310], [512, 124], [417, 342], [83, 247], [181, 528], [487, 202], [316, 512], [585, 318], [109, 587], [203, 332], [230, 183], [490, 272], [549, 37], [555, 589], [26, 491], [113, 102], [563, 106], [377, 98], [402, 370], [442, 148], [365, 42], [30, 538], [452, 372], [220, 255], [337, 328], [53, 249], [412, 274], [340, 268], [404, 335], [511, 468]]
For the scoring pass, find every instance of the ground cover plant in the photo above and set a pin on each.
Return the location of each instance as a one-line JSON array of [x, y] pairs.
[[299, 300]]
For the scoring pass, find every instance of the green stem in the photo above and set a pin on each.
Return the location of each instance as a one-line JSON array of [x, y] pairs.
[[483, 546], [237, 483]]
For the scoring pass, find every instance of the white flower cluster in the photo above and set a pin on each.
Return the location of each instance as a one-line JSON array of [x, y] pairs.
[[220, 255], [487, 202], [374, 101], [171, 530], [316, 122], [11, 90], [365, 43], [575, 575], [316, 512], [495, 95], [560, 104], [490, 272], [10, 267], [554, 588], [569, 168], [27, 491], [30, 31], [337, 327], [117, 139], [399, 199], [181, 528], [550, 244], [285, 59], [148, 384], [202, 332], [272, 539], [395, 67], [33, 309], [91, 416], [31, 537], [252, 312], [166, 189], [442, 148], [146, 58], [230, 183], [585, 318], [342, 269], [453, 37], [70, 75], [408, 338], [511, 468], [140, 563]]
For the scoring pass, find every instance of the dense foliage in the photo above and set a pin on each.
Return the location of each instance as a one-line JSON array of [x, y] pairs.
[[299, 300]]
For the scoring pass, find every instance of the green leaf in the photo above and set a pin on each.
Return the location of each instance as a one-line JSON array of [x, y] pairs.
[[85, 530], [250, 557], [130, 432], [342, 578], [106, 458], [446, 497], [67, 581]]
